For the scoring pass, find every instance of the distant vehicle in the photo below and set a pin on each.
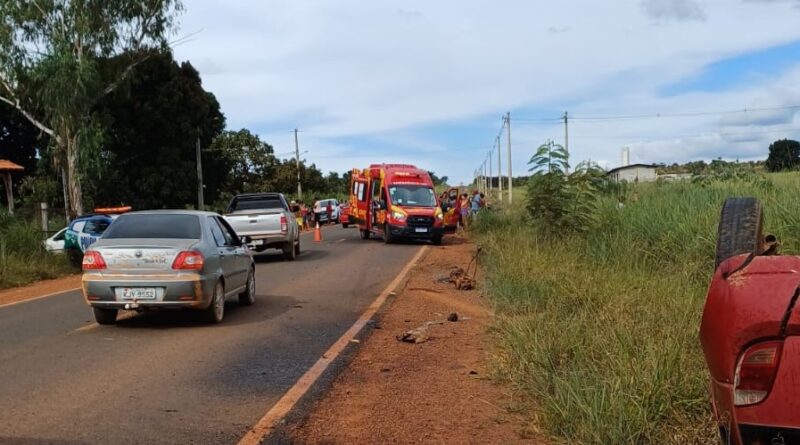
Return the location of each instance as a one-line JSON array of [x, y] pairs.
[[450, 201], [750, 332], [55, 243], [344, 214], [85, 230], [396, 201], [321, 210], [167, 259], [267, 220]]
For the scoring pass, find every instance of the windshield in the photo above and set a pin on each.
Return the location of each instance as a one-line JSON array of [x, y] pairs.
[[149, 226], [412, 195], [255, 203]]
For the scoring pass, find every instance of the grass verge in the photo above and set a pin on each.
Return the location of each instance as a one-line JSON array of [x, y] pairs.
[[599, 331], [23, 258]]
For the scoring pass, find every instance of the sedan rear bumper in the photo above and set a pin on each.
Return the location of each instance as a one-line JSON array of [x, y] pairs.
[[173, 291]]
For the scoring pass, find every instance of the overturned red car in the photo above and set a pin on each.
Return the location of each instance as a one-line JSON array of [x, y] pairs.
[[750, 332]]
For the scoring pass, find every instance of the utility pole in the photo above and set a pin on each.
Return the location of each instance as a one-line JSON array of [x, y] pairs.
[[510, 177], [200, 203], [566, 137], [297, 161], [499, 172], [491, 180]]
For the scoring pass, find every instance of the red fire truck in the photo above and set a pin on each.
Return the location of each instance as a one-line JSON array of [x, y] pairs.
[[395, 201]]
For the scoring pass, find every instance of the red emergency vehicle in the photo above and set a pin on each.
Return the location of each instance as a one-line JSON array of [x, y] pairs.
[[395, 201]]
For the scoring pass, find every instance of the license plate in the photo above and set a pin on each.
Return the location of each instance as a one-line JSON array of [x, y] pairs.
[[138, 293], [421, 229]]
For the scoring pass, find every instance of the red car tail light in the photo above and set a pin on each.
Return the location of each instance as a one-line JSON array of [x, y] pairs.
[[284, 224], [755, 372], [188, 260], [92, 260]]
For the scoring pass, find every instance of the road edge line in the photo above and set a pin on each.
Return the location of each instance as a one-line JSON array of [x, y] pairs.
[[261, 430], [52, 294]]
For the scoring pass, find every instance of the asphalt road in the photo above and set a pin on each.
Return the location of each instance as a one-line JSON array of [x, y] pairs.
[[168, 378]]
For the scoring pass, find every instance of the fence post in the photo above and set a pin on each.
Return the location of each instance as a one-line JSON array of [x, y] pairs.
[[45, 217]]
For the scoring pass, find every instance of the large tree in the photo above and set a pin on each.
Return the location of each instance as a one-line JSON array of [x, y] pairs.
[[784, 154], [251, 162], [151, 124], [50, 54]]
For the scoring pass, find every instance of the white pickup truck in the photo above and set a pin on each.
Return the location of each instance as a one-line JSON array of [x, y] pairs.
[[267, 220]]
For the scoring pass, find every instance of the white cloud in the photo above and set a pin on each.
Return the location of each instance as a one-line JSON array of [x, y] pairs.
[[382, 70]]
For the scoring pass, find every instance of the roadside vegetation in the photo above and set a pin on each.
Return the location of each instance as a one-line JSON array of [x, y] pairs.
[[23, 258], [598, 316]]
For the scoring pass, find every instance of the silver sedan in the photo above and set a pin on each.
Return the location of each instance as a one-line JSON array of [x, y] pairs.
[[167, 259]]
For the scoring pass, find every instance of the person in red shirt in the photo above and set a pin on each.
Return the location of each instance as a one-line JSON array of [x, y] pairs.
[[329, 210]]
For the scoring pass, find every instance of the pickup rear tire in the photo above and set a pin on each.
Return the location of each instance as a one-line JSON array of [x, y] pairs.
[[740, 229], [105, 316], [297, 247], [289, 253]]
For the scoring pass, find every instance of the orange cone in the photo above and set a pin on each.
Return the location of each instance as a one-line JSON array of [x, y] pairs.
[[317, 234]]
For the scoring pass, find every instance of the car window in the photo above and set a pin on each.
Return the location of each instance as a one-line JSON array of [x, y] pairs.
[[231, 239], [155, 226], [95, 226], [216, 231], [243, 203], [60, 235], [78, 226]]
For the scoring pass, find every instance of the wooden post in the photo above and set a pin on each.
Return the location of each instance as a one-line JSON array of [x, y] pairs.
[[9, 191], [45, 217]]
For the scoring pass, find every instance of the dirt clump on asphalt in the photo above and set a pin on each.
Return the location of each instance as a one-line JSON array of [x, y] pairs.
[[39, 289], [436, 390]]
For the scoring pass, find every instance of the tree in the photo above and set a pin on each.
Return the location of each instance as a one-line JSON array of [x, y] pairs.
[[784, 154], [436, 179], [50, 53], [251, 161], [151, 124]]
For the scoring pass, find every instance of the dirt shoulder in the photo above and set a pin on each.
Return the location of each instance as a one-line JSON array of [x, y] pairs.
[[39, 289], [437, 391]]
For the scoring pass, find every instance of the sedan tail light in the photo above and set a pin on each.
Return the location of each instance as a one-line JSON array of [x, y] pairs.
[[92, 260], [188, 260], [284, 224], [756, 372]]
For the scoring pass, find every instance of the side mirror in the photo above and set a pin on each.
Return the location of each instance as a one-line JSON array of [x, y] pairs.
[[246, 239]]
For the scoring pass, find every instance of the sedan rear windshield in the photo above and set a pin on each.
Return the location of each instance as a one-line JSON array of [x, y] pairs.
[[255, 203], [163, 226]]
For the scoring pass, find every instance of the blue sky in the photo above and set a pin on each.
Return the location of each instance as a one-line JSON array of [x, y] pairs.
[[427, 82]]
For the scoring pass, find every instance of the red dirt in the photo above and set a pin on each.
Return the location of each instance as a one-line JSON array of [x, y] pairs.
[[41, 288], [432, 392]]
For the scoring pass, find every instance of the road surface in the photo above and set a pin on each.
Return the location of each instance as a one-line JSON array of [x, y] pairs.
[[166, 377]]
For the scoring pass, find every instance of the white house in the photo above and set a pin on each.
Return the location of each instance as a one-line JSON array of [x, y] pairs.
[[633, 173]]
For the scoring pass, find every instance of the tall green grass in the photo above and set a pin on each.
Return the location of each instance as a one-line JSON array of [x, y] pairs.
[[23, 258], [599, 331]]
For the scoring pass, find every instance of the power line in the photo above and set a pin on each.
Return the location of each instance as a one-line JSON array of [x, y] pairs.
[[555, 120]]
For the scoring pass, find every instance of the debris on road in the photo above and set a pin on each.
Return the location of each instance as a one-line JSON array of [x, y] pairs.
[[420, 334], [452, 317]]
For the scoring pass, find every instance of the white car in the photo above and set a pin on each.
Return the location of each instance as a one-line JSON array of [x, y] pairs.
[[56, 242], [321, 210]]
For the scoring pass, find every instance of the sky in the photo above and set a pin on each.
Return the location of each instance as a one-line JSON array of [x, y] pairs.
[[427, 82]]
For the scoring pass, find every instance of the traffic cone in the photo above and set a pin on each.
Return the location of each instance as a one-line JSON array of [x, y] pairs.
[[317, 234]]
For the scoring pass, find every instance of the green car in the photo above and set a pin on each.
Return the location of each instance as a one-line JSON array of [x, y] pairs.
[[82, 233]]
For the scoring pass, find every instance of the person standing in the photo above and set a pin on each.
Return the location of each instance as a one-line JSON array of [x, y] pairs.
[[463, 207], [329, 211], [475, 202]]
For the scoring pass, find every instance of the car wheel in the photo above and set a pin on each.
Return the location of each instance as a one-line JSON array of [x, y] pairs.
[[289, 251], [215, 311], [297, 248], [105, 316], [344, 225], [437, 240], [387, 235], [740, 229], [365, 234], [248, 296], [75, 257]]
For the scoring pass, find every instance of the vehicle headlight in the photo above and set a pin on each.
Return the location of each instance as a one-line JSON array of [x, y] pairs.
[[439, 214], [398, 215]]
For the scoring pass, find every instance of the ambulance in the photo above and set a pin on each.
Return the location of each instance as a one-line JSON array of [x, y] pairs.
[[395, 201]]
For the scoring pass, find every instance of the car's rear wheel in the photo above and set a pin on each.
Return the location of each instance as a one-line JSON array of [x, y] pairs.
[[215, 311], [344, 225], [105, 316], [365, 234], [75, 257], [297, 248], [289, 251], [248, 296], [740, 229]]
